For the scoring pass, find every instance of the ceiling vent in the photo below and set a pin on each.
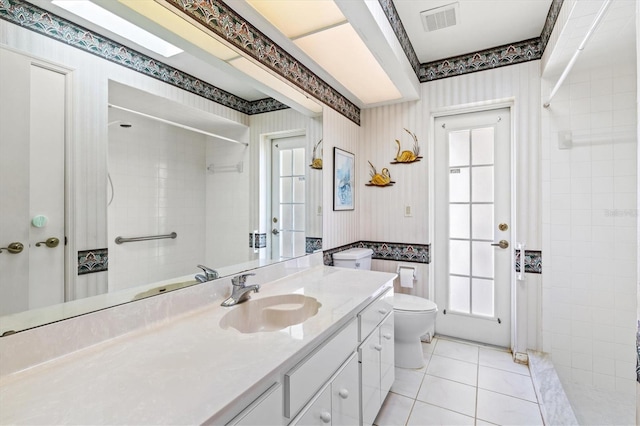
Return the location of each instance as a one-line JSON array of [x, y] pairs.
[[440, 17]]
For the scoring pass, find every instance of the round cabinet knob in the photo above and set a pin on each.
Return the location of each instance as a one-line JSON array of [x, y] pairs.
[[344, 394], [378, 348], [387, 336], [325, 416]]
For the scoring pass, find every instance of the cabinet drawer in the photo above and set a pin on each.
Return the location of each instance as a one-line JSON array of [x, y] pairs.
[[370, 317], [265, 410], [304, 380]]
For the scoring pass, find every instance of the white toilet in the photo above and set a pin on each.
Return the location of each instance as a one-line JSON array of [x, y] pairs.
[[414, 317]]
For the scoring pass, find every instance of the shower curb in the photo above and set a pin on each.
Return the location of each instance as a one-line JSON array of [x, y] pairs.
[[554, 404]]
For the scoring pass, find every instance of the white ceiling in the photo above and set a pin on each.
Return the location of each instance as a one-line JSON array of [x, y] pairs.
[[482, 24], [613, 41]]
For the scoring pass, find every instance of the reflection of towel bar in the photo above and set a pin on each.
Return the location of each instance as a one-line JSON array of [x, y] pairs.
[[225, 169], [120, 240]]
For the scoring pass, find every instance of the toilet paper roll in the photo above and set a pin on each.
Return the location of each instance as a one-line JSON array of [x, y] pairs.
[[406, 277]]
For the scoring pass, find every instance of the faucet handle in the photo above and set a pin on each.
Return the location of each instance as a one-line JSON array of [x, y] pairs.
[[239, 280], [209, 274]]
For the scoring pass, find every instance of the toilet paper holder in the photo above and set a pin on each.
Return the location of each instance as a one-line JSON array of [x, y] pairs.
[[411, 268], [407, 275]]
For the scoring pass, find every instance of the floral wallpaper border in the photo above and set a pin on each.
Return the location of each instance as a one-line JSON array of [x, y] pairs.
[[421, 253], [638, 353], [509, 54], [223, 21], [313, 244], [532, 261], [257, 240], [95, 260], [418, 253], [33, 18]]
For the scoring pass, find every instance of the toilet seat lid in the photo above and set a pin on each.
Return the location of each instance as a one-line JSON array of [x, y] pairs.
[[407, 302]]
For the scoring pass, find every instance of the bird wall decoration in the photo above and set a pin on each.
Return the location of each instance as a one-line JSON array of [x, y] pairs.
[[379, 179], [408, 156], [316, 162]]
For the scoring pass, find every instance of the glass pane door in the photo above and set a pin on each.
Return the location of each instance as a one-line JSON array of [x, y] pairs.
[[471, 256]]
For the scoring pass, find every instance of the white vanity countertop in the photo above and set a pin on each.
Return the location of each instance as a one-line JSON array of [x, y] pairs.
[[185, 370]]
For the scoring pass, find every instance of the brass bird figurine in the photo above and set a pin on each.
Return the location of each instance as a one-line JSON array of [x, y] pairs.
[[408, 156], [316, 163], [379, 179]]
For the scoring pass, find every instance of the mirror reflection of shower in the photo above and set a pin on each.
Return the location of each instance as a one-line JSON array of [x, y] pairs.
[[124, 125], [159, 169]]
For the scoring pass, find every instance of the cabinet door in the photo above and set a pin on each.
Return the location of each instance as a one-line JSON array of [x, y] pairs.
[[345, 395], [387, 358], [369, 356], [318, 413]]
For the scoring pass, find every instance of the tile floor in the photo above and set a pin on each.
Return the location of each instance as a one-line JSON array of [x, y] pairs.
[[462, 384]]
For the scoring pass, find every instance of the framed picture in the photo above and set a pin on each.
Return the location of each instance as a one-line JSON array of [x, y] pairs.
[[343, 179]]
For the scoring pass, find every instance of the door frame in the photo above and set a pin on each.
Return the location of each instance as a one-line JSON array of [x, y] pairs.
[[465, 109], [264, 187], [70, 262]]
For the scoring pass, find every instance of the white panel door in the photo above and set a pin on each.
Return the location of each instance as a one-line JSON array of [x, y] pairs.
[[288, 193], [32, 181], [472, 247]]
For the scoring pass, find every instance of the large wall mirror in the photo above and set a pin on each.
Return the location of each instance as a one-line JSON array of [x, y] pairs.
[[100, 162]]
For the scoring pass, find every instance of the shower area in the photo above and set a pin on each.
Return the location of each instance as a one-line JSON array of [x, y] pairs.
[[590, 214], [178, 196]]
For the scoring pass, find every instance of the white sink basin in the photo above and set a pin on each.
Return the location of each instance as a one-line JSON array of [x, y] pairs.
[[270, 313]]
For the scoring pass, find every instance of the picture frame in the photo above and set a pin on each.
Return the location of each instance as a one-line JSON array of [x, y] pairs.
[[343, 180]]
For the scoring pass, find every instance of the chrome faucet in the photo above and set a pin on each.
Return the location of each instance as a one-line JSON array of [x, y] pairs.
[[240, 291], [208, 275]]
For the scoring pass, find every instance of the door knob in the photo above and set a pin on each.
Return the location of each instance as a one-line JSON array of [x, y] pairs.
[[503, 244], [275, 232], [13, 248], [51, 242]]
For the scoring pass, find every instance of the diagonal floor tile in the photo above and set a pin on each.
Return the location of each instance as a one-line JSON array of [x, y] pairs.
[[506, 410], [501, 359], [507, 383], [453, 369], [448, 394], [457, 350], [395, 410], [424, 414], [407, 382]]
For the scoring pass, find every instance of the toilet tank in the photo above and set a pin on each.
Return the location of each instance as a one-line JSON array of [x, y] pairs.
[[355, 258]]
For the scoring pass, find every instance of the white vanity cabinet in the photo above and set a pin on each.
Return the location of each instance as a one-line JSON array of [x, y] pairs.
[[338, 403], [354, 394], [376, 357]]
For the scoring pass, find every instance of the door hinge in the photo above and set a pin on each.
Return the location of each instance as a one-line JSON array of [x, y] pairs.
[[444, 312], [65, 240]]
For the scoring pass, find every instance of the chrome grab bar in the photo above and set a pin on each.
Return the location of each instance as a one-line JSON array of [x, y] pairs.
[[120, 240]]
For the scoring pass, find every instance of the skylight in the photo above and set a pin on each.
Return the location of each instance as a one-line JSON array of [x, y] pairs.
[[102, 17]]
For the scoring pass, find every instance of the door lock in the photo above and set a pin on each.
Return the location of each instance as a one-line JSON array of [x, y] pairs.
[[51, 242], [275, 231], [13, 248], [503, 244], [503, 227]]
